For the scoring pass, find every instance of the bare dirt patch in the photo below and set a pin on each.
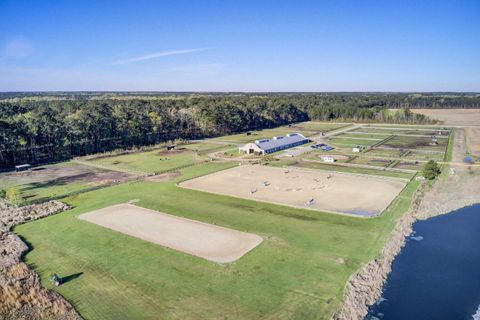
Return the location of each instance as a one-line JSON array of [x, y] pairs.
[[458, 117], [62, 175], [341, 193], [163, 177], [200, 239], [172, 152]]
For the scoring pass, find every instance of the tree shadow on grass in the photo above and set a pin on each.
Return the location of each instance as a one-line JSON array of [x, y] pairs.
[[71, 277]]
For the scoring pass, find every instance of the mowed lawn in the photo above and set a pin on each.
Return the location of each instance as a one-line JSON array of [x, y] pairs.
[[151, 161], [298, 272]]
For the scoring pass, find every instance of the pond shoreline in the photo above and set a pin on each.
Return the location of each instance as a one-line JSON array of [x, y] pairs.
[[365, 287], [437, 267]]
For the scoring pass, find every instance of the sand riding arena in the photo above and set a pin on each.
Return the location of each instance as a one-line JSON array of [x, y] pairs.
[[360, 195], [196, 238]]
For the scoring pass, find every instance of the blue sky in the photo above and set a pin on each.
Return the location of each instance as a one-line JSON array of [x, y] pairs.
[[176, 45]]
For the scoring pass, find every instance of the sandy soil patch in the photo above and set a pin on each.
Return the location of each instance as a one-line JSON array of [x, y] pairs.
[[458, 117], [473, 140], [200, 239], [340, 193]]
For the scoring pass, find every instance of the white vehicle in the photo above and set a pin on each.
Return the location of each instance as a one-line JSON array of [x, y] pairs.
[[328, 159]]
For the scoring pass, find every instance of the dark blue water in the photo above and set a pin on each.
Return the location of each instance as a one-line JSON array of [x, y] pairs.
[[437, 274]]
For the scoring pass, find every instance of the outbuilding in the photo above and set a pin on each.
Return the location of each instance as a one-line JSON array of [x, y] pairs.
[[357, 149], [22, 167], [266, 146]]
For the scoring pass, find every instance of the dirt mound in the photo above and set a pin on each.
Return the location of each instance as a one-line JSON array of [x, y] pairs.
[[21, 294]]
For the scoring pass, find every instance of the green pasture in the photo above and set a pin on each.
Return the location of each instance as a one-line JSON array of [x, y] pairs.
[[298, 272], [151, 161], [350, 142], [389, 153], [369, 171], [383, 163]]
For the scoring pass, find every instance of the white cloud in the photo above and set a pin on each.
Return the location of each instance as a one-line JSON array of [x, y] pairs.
[[18, 48], [158, 55]]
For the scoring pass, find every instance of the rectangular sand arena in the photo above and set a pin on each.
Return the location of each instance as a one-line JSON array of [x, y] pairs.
[[334, 192], [200, 239]]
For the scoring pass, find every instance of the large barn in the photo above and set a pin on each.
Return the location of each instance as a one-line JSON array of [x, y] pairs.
[[265, 146]]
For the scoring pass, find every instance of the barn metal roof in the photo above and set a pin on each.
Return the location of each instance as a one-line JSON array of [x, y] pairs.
[[275, 142]]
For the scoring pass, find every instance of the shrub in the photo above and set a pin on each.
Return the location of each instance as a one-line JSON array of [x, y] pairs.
[[14, 195], [431, 170]]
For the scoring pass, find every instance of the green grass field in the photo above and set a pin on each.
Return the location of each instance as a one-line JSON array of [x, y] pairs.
[[350, 142], [389, 153], [418, 155], [151, 161], [382, 163], [298, 272], [352, 134], [398, 131], [262, 134], [319, 126], [340, 168]]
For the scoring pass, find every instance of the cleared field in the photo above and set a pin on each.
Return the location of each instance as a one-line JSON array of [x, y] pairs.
[[43, 182], [203, 147], [423, 143], [418, 155], [371, 162], [393, 153], [351, 141], [263, 134], [193, 237], [363, 135], [123, 277], [408, 165], [459, 117], [399, 131], [318, 126], [152, 161], [473, 140], [294, 187]]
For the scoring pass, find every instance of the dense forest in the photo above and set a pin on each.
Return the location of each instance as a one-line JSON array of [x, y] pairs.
[[37, 128]]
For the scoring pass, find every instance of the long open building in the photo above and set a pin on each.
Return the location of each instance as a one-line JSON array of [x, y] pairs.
[[265, 146]]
